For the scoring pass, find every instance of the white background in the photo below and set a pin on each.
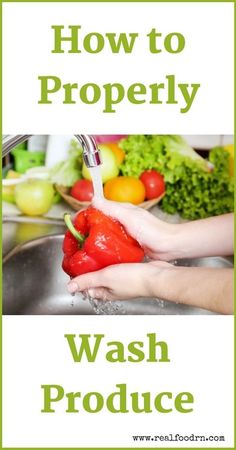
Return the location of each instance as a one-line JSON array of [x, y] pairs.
[[36, 352], [206, 59], [34, 349]]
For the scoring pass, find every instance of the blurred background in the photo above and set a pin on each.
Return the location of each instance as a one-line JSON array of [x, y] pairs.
[[197, 172]]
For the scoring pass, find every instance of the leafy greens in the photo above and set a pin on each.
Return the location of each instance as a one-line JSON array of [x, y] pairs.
[[66, 173], [192, 189]]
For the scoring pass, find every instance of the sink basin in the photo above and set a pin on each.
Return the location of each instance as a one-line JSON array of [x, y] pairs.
[[34, 283]]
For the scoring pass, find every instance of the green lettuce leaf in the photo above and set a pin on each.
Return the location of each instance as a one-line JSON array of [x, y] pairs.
[[192, 190], [67, 172]]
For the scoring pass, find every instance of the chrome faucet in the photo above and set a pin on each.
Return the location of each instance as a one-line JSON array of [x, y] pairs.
[[91, 153]]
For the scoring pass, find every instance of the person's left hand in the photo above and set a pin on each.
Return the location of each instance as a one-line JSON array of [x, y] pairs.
[[121, 281]]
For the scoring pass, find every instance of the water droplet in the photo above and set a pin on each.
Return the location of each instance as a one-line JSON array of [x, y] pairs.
[[101, 307], [160, 303]]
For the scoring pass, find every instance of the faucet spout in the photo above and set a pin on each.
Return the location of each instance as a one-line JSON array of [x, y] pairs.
[[9, 142], [91, 153]]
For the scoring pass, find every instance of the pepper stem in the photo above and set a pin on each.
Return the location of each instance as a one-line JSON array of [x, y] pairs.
[[80, 237]]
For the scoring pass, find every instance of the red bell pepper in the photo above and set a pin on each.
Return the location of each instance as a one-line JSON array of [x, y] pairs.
[[94, 241]]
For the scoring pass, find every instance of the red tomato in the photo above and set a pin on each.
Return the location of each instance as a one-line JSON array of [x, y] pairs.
[[153, 182], [82, 190]]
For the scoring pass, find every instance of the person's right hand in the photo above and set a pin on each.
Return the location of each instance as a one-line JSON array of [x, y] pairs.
[[164, 241], [155, 236]]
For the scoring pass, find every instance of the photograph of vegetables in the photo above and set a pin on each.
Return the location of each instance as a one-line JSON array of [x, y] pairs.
[[141, 218]]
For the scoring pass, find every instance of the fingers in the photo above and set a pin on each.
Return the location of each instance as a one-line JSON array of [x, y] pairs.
[[129, 215], [86, 281], [113, 209], [161, 264], [120, 281], [100, 293]]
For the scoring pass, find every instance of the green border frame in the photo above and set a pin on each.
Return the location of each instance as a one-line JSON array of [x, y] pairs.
[[118, 1], [102, 1]]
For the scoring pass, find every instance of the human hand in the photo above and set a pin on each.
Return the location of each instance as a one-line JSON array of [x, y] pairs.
[[164, 241], [121, 281], [155, 236]]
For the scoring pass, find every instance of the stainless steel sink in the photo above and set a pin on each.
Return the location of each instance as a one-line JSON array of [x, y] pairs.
[[34, 283]]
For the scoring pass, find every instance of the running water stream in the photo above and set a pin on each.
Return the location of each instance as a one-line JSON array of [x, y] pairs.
[[96, 176], [105, 307]]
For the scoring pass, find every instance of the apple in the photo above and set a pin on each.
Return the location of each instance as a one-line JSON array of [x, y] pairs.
[[34, 197], [109, 167]]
